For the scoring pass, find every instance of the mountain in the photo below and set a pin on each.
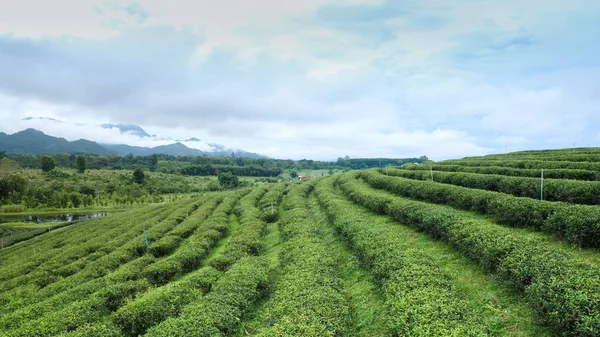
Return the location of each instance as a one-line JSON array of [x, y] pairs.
[[32, 141], [127, 128], [176, 149]]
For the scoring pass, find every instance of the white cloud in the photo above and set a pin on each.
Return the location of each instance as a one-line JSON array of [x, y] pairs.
[[316, 79]]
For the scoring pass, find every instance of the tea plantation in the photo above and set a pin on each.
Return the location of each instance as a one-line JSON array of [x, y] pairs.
[[454, 248]]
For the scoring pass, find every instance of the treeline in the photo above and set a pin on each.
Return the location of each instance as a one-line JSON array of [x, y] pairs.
[[249, 171], [175, 164], [62, 192], [365, 163]]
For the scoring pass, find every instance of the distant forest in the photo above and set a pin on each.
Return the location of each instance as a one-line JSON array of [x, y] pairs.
[[209, 166]]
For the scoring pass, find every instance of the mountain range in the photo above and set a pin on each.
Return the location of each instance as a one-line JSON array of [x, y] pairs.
[[32, 141]]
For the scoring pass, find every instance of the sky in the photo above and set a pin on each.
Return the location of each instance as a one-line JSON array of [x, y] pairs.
[[316, 79]]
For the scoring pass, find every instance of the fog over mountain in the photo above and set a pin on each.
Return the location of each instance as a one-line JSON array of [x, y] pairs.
[[32, 141]]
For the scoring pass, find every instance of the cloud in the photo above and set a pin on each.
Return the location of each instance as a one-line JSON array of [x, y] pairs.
[[317, 79]]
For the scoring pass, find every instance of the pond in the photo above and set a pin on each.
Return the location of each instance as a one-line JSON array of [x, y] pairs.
[[55, 217]]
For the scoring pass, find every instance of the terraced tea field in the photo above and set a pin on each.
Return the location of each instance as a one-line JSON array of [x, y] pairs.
[[367, 253]]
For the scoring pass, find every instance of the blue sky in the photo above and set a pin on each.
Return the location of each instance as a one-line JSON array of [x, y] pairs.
[[314, 79]]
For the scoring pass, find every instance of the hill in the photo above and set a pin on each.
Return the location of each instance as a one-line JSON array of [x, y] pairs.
[[31, 141]]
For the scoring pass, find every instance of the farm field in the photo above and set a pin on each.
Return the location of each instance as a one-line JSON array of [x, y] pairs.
[[455, 248]]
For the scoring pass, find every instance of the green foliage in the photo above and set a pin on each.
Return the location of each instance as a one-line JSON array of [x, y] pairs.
[[510, 171], [218, 312], [249, 171], [572, 191], [48, 163], [308, 300], [7, 167], [247, 240], [537, 164], [81, 164], [153, 162], [410, 280], [576, 224], [269, 203], [561, 288], [228, 180], [139, 177], [204, 272], [160, 303], [12, 188]]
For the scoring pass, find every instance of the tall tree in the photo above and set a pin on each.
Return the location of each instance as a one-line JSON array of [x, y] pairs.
[[153, 162], [81, 164], [48, 163], [139, 176]]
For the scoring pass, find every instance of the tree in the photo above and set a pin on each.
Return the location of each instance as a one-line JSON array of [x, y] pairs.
[[48, 163], [293, 174], [75, 199], [153, 162], [139, 176], [228, 180], [7, 166], [81, 164]]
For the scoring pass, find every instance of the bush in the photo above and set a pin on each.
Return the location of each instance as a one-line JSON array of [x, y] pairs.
[[578, 224], [228, 180], [562, 289]]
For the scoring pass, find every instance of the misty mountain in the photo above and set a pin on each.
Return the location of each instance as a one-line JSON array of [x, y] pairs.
[[127, 128], [32, 141], [176, 149]]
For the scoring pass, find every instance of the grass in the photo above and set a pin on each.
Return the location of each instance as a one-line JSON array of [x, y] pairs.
[[33, 225], [12, 208], [53, 210]]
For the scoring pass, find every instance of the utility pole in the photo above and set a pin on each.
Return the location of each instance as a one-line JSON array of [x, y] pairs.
[[542, 186], [146, 239]]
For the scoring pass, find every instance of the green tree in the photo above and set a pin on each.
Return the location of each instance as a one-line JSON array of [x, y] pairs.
[[153, 162], [48, 163], [7, 166], [75, 199], [81, 164], [294, 174], [139, 176], [228, 180]]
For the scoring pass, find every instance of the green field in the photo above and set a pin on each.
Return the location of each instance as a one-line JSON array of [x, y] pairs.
[[475, 252]]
